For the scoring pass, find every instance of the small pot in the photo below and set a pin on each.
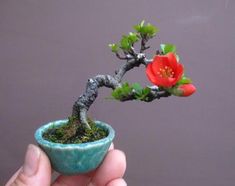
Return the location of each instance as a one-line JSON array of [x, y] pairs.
[[69, 159]]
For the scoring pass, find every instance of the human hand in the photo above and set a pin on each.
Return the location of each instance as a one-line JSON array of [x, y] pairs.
[[36, 171]]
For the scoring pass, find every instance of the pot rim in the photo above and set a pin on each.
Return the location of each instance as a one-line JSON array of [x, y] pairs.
[[41, 141]]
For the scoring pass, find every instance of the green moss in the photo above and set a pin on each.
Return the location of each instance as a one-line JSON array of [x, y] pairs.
[[74, 133]]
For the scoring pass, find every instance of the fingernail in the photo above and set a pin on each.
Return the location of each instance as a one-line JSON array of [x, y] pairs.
[[31, 160], [111, 147]]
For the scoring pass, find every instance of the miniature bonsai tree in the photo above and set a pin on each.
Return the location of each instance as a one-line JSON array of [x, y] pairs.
[[164, 71]]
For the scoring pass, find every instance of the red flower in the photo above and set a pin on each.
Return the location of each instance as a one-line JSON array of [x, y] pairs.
[[186, 89], [164, 70]]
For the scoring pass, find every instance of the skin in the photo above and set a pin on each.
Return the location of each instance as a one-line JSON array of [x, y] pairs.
[[39, 173]]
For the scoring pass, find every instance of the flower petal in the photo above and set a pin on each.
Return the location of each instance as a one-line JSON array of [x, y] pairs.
[[172, 61], [158, 63], [150, 74], [179, 72]]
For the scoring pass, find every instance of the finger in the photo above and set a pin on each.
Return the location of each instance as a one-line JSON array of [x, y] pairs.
[[113, 167], [72, 180], [14, 176], [35, 171], [113, 155], [117, 182]]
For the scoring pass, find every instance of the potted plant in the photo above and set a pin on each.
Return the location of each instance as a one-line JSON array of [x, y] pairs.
[[79, 144]]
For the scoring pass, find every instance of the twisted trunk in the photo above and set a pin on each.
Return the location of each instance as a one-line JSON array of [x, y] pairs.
[[83, 103]]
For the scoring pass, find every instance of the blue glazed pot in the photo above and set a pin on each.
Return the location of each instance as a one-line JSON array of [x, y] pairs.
[[69, 159]]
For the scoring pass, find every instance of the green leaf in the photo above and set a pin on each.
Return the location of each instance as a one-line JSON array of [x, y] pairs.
[[137, 87], [126, 90], [122, 92], [166, 48], [116, 94], [133, 37], [146, 30], [143, 94], [150, 30], [142, 23], [114, 47], [146, 91], [184, 80], [174, 91], [125, 44], [137, 28]]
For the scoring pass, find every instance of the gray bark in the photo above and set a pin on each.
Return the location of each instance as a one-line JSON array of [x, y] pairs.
[[133, 59], [83, 103]]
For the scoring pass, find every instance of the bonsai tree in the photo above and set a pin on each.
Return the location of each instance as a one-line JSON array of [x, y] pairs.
[[79, 144], [164, 71]]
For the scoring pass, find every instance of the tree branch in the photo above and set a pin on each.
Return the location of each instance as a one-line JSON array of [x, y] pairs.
[[83, 103], [143, 46], [134, 59], [127, 57], [155, 93]]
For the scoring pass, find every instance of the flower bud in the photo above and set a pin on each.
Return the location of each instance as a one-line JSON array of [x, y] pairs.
[[183, 90], [187, 89]]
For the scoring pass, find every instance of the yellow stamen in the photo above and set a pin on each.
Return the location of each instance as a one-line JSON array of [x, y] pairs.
[[166, 72]]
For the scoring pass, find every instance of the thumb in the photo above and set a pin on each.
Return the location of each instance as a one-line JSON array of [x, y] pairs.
[[36, 170]]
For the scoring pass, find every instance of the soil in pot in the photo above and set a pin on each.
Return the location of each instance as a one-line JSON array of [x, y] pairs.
[[75, 133]]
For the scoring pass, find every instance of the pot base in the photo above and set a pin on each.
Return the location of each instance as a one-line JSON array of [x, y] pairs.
[[70, 159]]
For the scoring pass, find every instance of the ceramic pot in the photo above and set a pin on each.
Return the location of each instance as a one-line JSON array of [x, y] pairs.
[[69, 159]]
